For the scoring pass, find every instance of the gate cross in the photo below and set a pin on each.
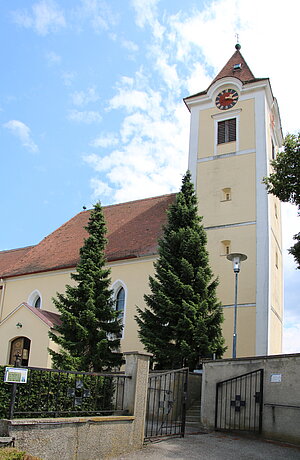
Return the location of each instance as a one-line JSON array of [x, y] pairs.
[[237, 403]]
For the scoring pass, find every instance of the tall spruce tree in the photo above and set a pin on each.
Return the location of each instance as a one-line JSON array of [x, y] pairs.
[[90, 329], [183, 322]]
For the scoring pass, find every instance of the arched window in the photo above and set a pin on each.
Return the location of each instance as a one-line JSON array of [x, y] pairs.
[[35, 299], [19, 351], [119, 296], [120, 301], [37, 303]]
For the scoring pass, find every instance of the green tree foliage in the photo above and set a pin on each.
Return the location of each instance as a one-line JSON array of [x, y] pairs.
[[284, 181], [183, 322], [61, 394], [90, 329]]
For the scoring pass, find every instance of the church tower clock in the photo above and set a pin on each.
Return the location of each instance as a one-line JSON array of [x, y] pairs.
[[235, 131]]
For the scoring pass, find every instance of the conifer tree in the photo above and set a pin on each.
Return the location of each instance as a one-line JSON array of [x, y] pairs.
[[90, 329], [183, 321]]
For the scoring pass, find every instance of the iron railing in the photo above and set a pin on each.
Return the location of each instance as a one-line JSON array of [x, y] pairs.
[[166, 404], [239, 403], [58, 393]]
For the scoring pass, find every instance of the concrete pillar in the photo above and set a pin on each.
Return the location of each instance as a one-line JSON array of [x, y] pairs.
[[136, 389]]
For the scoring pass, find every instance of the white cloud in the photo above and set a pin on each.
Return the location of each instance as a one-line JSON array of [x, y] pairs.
[[53, 58], [154, 139], [291, 338], [291, 335], [45, 17], [146, 14], [81, 98], [85, 116], [68, 78], [130, 100], [106, 140], [98, 13], [129, 45], [168, 72], [23, 133], [100, 189]]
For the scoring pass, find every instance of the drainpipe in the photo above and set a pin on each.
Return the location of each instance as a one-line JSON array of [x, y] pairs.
[[2, 291]]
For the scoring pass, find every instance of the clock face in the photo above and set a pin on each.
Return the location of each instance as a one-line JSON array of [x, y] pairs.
[[226, 99]]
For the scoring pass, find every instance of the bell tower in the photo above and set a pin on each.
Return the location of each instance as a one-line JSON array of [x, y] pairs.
[[235, 131]]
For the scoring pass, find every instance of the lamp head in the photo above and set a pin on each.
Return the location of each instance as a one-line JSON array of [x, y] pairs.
[[236, 258]]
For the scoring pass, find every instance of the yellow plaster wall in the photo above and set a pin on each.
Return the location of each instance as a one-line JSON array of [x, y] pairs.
[[243, 240], [276, 277], [246, 330], [246, 134], [18, 289], [32, 328], [213, 177], [135, 276], [275, 341]]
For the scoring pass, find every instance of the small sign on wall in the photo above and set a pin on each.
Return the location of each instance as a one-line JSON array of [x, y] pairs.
[[275, 378], [15, 375]]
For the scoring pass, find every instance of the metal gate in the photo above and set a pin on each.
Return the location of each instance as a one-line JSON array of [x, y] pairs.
[[166, 403], [239, 403]]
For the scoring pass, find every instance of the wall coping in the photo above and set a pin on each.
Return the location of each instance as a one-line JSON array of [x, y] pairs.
[[70, 420], [140, 353], [253, 358]]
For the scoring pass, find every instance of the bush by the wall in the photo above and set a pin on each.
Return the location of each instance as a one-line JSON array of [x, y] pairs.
[[11, 453]]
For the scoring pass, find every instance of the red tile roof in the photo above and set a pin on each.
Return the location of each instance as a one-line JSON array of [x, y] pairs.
[[10, 257], [243, 73], [133, 231], [50, 318]]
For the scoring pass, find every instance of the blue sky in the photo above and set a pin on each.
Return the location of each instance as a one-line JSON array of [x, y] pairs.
[[91, 102]]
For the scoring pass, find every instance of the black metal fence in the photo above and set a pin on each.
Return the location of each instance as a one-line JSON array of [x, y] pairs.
[[58, 393], [239, 403], [166, 404]]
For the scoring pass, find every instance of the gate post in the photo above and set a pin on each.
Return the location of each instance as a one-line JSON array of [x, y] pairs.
[[136, 388]]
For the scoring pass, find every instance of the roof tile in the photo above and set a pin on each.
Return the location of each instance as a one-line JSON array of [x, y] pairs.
[[133, 231]]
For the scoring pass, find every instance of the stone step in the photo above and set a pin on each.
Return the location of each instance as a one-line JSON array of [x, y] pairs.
[[192, 414], [192, 419], [6, 441]]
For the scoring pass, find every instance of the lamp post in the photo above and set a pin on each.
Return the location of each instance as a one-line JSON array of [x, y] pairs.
[[236, 258]]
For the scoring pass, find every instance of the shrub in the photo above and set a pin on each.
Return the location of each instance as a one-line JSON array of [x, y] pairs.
[[11, 453]]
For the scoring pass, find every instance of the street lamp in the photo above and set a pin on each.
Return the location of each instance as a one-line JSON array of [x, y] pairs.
[[236, 258]]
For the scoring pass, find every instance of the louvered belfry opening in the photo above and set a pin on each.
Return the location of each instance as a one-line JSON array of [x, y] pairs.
[[227, 131]]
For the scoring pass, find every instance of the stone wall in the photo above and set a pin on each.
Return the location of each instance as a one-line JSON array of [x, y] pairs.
[[86, 438], [281, 389]]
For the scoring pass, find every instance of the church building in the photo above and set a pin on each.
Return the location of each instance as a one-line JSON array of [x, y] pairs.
[[235, 132]]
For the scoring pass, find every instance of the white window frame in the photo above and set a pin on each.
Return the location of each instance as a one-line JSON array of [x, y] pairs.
[[32, 298], [117, 285], [223, 117]]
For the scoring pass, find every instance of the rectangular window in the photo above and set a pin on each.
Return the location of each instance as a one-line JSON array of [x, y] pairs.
[[227, 131]]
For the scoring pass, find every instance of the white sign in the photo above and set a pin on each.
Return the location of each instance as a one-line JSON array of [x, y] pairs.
[[275, 378], [15, 375]]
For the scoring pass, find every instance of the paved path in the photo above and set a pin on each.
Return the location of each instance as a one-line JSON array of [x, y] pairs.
[[214, 446]]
